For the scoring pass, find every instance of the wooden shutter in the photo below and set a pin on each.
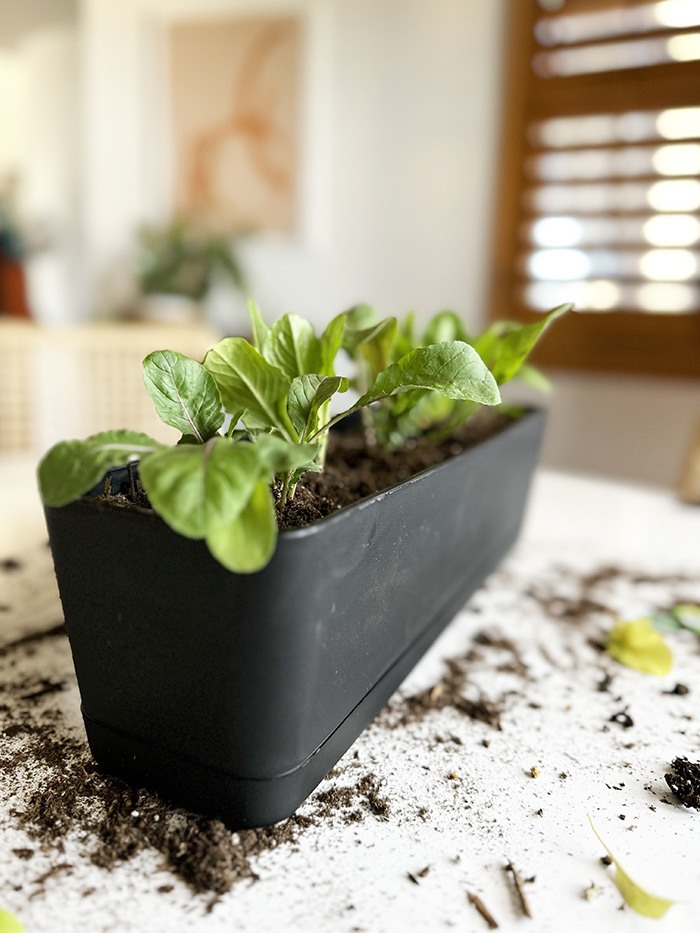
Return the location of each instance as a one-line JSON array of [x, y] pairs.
[[598, 194]]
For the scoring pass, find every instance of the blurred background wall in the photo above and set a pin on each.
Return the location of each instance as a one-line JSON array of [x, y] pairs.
[[399, 114]]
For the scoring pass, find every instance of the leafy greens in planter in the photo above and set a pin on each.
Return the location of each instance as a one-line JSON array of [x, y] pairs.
[[217, 486]]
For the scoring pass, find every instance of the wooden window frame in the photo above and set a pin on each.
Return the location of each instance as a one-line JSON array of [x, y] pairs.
[[626, 341]]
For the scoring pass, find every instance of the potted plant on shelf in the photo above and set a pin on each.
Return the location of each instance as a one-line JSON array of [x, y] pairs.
[[228, 664], [179, 265]]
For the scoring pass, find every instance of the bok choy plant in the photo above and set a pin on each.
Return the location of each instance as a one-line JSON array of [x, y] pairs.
[[216, 484]]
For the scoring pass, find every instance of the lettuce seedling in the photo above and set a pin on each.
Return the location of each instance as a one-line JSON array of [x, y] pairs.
[[217, 485], [504, 347]]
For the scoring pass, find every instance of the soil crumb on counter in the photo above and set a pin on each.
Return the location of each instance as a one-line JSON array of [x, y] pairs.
[[58, 793], [684, 781]]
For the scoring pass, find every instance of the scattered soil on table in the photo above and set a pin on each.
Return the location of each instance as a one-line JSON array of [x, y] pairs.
[[59, 793], [450, 690], [587, 602], [684, 781]]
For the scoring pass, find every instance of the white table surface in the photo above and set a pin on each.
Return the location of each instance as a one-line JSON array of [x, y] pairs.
[[345, 878]]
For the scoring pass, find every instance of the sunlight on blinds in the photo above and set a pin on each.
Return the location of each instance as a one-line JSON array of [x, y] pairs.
[[610, 199], [580, 43]]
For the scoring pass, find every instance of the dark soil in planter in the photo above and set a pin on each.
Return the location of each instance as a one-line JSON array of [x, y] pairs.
[[353, 471]]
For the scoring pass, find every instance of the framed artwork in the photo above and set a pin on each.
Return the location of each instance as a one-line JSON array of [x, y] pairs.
[[235, 86]]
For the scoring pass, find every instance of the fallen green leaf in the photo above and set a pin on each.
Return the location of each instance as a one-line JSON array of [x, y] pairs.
[[645, 904], [688, 616], [9, 923], [637, 644]]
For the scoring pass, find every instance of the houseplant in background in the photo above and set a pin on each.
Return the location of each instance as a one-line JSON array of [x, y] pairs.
[[226, 664], [178, 265]]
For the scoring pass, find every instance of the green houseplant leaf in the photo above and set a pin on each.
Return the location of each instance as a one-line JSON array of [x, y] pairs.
[[247, 543], [248, 382], [71, 469], [307, 394], [454, 369], [645, 904], [637, 644], [293, 347], [279, 456], [446, 325], [331, 342], [374, 344], [507, 354], [197, 488], [184, 394], [261, 332]]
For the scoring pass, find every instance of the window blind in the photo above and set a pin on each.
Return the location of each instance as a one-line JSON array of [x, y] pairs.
[[600, 182]]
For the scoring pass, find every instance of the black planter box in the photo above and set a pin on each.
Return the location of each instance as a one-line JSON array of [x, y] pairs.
[[234, 695]]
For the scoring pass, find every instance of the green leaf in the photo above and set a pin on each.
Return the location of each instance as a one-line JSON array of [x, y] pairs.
[[232, 474], [174, 480], [293, 347], [306, 396], [280, 456], [637, 644], [445, 326], [512, 349], [665, 622], [71, 469], [196, 489], [261, 332], [331, 341], [9, 923], [360, 317], [250, 383], [531, 376], [247, 544], [455, 370], [688, 616], [645, 904], [184, 394], [374, 344], [405, 340]]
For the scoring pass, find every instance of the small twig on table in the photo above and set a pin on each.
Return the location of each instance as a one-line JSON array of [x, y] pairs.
[[519, 888], [483, 910]]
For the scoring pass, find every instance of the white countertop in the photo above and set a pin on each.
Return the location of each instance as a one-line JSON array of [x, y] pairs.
[[461, 796]]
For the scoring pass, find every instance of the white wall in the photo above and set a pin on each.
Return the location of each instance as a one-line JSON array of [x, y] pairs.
[[399, 127], [415, 119], [631, 427]]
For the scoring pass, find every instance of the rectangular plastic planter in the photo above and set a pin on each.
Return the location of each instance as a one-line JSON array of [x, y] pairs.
[[234, 695]]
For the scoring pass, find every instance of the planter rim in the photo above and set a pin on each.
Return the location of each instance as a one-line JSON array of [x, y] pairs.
[[340, 514]]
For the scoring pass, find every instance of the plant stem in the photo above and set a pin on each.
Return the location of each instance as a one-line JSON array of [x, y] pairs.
[[285, 490], [368, 429]]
